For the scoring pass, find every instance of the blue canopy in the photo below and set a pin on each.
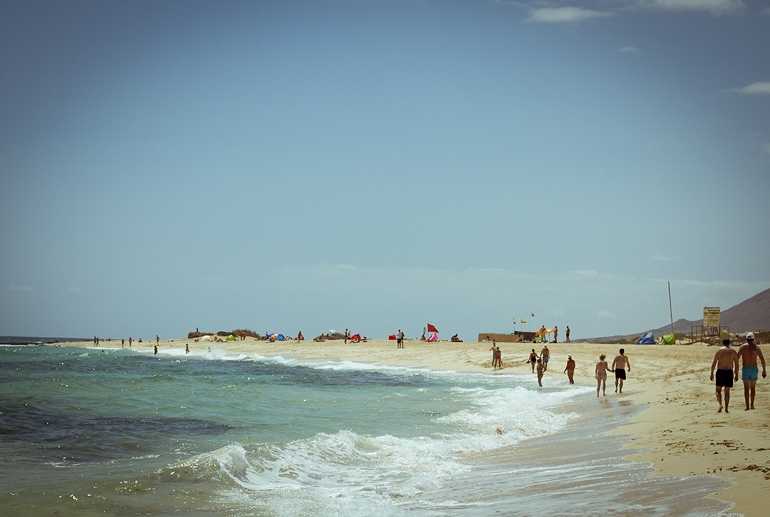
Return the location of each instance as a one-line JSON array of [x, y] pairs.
[[646, 339]]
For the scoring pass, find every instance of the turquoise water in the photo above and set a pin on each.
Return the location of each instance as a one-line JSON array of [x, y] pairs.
[[121, 432]]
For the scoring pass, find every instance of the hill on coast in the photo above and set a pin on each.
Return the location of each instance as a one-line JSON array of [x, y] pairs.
[[750, 315]]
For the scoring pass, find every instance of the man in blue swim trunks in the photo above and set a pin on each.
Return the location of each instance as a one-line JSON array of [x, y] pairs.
[[748, 353]]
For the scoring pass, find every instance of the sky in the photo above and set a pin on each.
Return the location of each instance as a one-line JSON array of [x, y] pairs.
[[380, 165]]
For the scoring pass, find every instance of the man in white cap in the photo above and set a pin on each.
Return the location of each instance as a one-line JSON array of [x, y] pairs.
[[544, 355], [570, 369], [748, 353]]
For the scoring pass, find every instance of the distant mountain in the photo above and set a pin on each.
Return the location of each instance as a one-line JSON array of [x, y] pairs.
[[749, 315]]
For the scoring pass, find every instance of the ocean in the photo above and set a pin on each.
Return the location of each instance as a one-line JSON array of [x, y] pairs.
[[118, 432]]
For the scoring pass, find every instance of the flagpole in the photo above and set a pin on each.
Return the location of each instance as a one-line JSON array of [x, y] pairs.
[[671, 312]]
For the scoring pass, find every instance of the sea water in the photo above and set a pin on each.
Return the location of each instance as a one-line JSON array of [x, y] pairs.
[[115, 431]]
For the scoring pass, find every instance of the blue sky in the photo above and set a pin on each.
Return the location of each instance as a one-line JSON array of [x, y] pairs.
[[377, 165]]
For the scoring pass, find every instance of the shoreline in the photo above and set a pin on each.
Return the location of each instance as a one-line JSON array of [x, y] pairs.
[[678, 430]]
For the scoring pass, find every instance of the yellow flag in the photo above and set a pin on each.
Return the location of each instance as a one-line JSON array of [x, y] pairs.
[[523, 321]]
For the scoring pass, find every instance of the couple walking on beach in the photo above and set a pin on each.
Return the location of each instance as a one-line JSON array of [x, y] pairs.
[[619, 366], [727, 359]]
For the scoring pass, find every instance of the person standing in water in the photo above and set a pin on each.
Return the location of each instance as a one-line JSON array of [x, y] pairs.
[[748, 353], [570, 369], [540, 372], [601, 375], [725, 360]]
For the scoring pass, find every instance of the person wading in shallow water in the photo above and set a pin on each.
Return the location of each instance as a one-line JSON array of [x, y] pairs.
[[570, 369], [748, 353]]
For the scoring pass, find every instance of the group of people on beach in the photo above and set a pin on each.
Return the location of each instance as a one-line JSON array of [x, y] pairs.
[[620, 365], [727, 360]]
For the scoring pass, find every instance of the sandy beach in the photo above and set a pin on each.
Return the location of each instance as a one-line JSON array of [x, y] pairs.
[[679, 430]]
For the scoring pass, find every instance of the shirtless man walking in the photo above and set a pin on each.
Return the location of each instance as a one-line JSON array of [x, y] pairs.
[[748, 353], [544, 355], [619, 365], [725, 360]]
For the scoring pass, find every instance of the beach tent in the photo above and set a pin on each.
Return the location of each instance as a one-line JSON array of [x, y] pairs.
[[646, 339], [230, 338], [668, 339], [206, 338], [392, 337], [432, 337]]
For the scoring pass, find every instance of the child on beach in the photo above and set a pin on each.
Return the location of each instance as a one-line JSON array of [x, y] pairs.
[[601, 375]]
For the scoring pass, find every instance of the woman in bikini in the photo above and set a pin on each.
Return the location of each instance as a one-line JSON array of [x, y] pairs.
[[539, 372], [601, 375]]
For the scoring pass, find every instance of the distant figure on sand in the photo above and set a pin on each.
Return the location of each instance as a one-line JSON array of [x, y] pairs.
[[555, 334], [497, 360], [187, 348], [544, 355], [748, 353], [601, 375], [456, 339], [619, 366], [540, 369], [300, 337], [156, 349], [400, 339], [568, 334], [570, 369], [157, 339], [130, 341], [726, 359], [346, 336], [533, 359]]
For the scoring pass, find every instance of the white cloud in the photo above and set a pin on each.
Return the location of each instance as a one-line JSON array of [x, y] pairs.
[[23, 288], [713, 6], [564, 14], [758, 87], [586, 272], [628, 49]]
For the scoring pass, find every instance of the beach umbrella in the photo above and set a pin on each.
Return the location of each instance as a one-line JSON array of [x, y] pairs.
[[431, 328]]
